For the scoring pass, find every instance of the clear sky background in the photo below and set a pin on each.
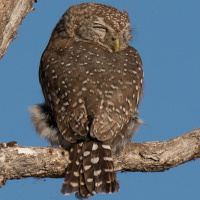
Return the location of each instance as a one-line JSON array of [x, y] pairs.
[[167, 36]]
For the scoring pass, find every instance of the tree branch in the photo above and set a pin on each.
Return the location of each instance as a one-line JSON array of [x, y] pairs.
[[12, 13], [19, 162]]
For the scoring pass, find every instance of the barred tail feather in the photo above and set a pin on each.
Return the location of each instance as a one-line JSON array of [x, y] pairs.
[[71, 182], [109, 178], [90, 170]]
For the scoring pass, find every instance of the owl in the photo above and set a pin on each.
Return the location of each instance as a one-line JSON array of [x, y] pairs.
[[92, 84]]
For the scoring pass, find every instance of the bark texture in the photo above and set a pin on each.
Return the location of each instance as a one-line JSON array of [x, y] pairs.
[[39, 162], [12, 13]]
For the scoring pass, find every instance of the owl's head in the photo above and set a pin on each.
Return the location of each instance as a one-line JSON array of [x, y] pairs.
[[97, 23]]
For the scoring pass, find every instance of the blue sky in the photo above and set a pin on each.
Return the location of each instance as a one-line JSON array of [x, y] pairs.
[[167, 36]]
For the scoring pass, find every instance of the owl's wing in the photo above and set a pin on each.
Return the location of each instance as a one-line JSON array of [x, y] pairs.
[[104, 127], [122, 94], [61, 85]]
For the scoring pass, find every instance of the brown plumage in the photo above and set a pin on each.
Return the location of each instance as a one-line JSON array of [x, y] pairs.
[[92, 83]]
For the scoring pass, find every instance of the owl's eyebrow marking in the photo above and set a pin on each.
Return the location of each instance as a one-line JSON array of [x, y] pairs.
[[100, 27]]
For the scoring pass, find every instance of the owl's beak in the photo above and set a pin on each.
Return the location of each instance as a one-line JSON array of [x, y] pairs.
[[116, 45]]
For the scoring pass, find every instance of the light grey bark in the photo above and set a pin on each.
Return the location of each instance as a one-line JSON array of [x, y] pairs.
[[12, 13], [20, 162]]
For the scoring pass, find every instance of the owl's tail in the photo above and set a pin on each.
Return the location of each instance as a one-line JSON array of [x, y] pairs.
[[90, 170]]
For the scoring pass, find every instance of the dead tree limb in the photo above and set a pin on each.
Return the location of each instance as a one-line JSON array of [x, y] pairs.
[[12, 13], [39, 162]]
